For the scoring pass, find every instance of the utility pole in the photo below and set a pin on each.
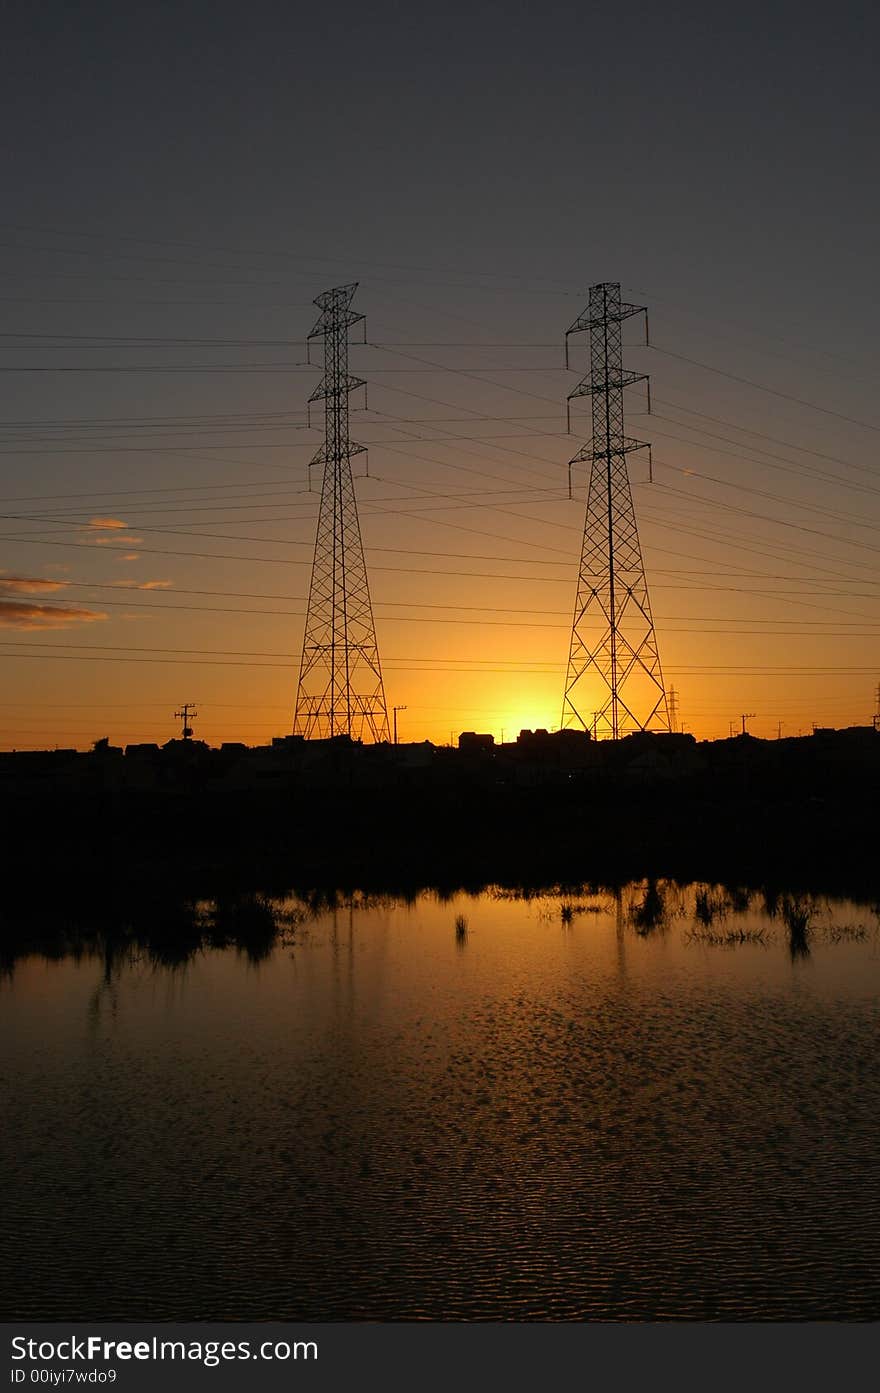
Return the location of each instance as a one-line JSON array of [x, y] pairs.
[[746, 716], [186, 714], [730, 725], [395, 710], [340, 690], [875, 719], [672, 699], [613, 641]]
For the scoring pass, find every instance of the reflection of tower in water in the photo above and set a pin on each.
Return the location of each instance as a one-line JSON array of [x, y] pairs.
[[359, 959], [620, 924]]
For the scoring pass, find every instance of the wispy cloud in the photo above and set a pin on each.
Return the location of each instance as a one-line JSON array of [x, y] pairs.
[[28, 585], [129, 583], [20, 614], [115, 532], [130, 555]]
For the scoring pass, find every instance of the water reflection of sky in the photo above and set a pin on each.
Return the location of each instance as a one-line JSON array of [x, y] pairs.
[[601, 1112]]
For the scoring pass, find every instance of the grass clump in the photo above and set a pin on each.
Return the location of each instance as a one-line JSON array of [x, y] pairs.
[[797, 915], [728, 938], [651, 913]]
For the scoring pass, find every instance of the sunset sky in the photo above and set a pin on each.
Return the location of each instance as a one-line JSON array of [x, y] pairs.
[[179, 186]]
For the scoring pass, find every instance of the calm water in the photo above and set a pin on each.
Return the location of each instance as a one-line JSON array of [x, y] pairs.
[[589, 1106]]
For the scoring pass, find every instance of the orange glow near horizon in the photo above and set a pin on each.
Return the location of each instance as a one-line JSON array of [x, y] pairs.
[[193, 587]]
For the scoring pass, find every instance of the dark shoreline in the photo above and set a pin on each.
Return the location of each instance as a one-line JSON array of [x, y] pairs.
[[112, 868], [383, 839]]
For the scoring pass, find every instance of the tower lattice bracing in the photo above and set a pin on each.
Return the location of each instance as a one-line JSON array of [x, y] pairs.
[[614, 683], [340, 689]]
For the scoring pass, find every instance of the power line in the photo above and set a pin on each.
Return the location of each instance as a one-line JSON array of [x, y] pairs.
[[258, 368], [284, 254], [751, 333], [842, 632], [139, 340], [481, 575], [771, 391], [760, 435], [785, 673], [245, 416], [703, 502], [767, 517]]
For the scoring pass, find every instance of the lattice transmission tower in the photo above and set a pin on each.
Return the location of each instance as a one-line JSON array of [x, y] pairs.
[[614, 682], [340, 689]]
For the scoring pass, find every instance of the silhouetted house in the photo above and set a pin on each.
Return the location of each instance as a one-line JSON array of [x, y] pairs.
[[554, 744], [848, 735], [648, 755], [143, 767], [185, 749], [251, 767], [103, 748], [469, 742], [103, 768], [38, 770], [294, 763], [548, 750], [855, 749]]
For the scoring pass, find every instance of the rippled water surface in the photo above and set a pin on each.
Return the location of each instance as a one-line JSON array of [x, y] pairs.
[[658, 1104]]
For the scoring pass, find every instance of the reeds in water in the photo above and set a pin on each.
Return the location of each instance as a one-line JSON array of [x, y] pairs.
[[651, 913], [728, 938], [797, 915], [709, 907]]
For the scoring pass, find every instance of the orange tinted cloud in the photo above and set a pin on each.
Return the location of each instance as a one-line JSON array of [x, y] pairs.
[[129, 583], [19, 614], [28, 585], [117, 530]]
